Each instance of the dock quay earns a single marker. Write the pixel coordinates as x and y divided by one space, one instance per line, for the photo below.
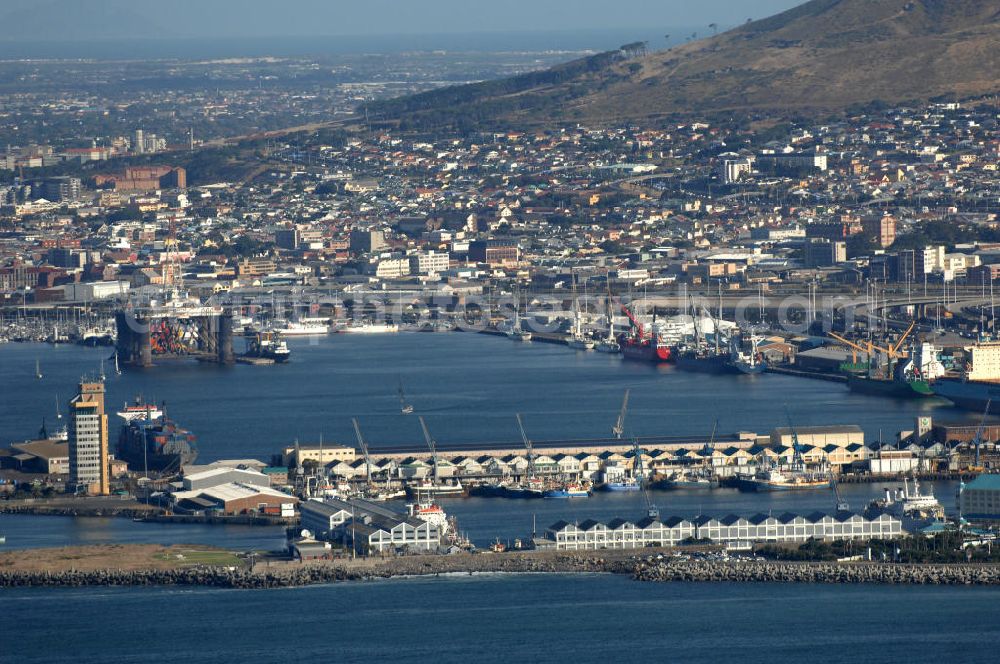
570 446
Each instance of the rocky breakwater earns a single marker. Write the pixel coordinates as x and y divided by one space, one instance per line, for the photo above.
314 572
754 571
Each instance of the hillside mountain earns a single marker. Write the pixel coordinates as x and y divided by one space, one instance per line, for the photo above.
824 54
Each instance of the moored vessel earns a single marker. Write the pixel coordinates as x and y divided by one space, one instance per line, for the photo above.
268 345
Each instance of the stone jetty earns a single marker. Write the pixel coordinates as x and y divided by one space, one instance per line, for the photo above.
756 571
647 567
314 572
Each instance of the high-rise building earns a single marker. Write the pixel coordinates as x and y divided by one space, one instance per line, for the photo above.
88 441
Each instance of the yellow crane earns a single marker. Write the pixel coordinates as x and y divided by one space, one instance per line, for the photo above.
855 348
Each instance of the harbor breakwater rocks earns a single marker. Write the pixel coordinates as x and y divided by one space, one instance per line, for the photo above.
106 510
644 568
816 572
289 575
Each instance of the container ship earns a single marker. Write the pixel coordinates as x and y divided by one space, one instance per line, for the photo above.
156 444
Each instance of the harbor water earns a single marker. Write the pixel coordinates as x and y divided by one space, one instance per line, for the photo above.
503 618
467 386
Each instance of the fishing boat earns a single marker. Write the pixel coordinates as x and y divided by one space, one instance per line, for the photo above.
571 490
609 346
774 479
427 487
628 484
686 480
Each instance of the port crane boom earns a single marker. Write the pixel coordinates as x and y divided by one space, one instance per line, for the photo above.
527 446
431 445
364 450
639 471
796 448
855 348
619 428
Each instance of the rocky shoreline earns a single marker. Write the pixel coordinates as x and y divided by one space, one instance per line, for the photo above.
645 568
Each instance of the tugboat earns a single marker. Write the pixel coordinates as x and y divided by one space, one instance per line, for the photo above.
268 345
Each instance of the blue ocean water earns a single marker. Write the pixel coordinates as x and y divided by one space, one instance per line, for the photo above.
223 47
493 618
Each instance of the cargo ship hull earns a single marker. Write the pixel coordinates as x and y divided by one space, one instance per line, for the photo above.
156 445
900 389
706 363
969 395
646 352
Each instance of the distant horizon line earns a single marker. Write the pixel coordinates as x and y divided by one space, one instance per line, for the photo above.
370 35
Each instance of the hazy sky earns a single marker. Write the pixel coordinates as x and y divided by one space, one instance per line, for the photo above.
236 18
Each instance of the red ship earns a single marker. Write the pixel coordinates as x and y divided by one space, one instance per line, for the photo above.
639 346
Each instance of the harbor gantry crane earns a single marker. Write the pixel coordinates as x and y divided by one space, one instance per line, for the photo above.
619 429
364 450
431 445
527 446
639 471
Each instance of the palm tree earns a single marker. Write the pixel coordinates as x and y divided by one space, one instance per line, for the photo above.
715 28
